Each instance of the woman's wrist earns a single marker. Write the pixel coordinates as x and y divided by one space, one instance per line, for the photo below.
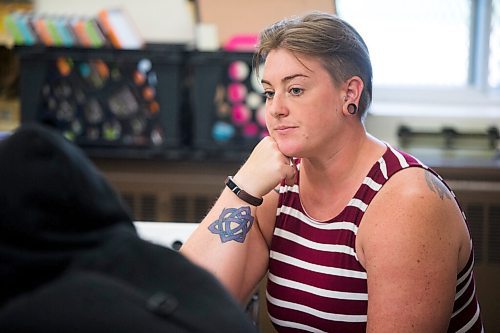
241 193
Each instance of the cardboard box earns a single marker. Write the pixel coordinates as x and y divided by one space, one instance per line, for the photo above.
250 17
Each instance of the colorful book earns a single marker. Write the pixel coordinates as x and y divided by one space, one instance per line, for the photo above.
13 29
53 31
120 29
23 22
67 37
94 32
39 23
78 26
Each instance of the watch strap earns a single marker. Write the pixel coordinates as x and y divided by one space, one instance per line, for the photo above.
245 196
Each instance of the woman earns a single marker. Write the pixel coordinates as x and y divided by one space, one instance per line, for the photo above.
356 236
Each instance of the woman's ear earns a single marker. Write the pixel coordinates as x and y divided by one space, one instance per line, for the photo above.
353 89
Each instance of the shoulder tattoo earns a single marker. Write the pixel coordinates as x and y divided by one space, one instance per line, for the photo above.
233 224
437 186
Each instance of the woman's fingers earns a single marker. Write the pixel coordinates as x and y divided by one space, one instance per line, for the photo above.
291 172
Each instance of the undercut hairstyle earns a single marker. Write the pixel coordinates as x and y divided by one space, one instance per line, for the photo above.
337 45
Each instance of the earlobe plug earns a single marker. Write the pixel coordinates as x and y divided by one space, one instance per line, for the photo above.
352 108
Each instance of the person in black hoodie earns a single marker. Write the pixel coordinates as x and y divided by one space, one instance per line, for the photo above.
72 261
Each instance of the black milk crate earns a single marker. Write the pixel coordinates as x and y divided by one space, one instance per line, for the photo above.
110 102
227 104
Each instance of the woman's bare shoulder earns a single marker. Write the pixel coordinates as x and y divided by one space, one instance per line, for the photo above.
414 202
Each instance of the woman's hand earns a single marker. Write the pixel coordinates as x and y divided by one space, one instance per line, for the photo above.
265 168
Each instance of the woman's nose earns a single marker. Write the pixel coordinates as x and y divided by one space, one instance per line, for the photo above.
277 106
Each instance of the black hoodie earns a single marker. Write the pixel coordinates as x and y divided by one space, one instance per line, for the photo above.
71 260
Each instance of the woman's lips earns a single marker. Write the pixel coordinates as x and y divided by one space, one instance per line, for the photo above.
284 129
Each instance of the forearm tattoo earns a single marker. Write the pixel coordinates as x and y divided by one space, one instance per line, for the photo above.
233 224
437 186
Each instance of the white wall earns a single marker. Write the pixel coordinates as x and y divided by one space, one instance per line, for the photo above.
158 21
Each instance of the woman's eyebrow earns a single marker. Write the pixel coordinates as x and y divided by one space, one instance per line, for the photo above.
285 79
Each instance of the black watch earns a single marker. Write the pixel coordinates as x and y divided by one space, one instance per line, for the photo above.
248 198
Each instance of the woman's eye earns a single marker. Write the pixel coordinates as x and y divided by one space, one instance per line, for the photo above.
268 94
296 91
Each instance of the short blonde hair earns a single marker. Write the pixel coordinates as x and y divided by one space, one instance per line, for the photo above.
325 36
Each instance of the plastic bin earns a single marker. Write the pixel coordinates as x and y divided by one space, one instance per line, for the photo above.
227 105
117 103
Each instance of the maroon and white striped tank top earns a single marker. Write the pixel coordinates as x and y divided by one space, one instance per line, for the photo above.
315 282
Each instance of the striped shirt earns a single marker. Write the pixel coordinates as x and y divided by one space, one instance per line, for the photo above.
315 281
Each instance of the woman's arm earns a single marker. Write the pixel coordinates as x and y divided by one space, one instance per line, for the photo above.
412 242
232 240
229 244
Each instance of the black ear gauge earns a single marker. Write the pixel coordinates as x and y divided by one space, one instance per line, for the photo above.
352 108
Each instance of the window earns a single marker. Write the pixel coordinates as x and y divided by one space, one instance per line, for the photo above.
413 42
494 62
428 50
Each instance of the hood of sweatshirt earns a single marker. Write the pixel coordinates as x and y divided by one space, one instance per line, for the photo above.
54 204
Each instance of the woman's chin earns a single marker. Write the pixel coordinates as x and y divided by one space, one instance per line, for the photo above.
288 149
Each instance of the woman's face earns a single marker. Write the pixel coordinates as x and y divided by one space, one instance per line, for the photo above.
303 106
